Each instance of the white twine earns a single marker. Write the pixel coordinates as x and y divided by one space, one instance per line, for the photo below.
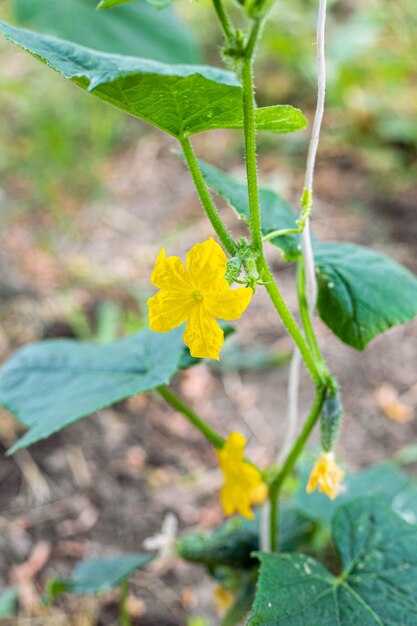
306 243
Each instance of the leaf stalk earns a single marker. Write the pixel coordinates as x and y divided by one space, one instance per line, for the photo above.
206 199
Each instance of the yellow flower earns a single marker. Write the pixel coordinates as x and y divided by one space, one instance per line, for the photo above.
197 293
326 475
243 484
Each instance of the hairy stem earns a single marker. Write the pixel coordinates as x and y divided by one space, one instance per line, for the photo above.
205 198
291 325
305 313
123 612
169 396
276 484
250 141
254 205
225 23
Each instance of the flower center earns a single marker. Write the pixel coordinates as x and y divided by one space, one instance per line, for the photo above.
198 296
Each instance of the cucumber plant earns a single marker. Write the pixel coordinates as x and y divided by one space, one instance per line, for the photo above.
263 555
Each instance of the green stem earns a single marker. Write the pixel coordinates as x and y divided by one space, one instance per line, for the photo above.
305 314
214 438
123 612
253 38
224 20
250 141
254 207
290 324
280 233
273 521
276 484
205 198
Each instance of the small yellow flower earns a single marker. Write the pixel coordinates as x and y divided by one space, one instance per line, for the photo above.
197 293
326 475
243 484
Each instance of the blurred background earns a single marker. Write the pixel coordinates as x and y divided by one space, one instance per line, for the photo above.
89 195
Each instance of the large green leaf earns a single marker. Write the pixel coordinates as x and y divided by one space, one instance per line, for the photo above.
99 574
51 384
277 214
137 30
377 586
179 99
394 488
362 292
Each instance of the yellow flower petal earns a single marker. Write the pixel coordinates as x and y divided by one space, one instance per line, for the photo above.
171 273
226 303
326 475
259 495
198 293
223 599
206 263
233 447
168 310
203 334
242 482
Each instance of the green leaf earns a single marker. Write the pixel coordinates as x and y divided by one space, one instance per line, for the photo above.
99 575
8 600
54 588
277 214
377 587
393 487
132 30
180 99
362 292
281 118
109 4
406 455
51 384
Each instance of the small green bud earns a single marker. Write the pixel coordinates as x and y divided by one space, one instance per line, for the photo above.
233 269
233 51
251 271
330 421
306 208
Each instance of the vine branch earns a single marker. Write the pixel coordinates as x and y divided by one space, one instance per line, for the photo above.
277 482
169 396
205 197
226 24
